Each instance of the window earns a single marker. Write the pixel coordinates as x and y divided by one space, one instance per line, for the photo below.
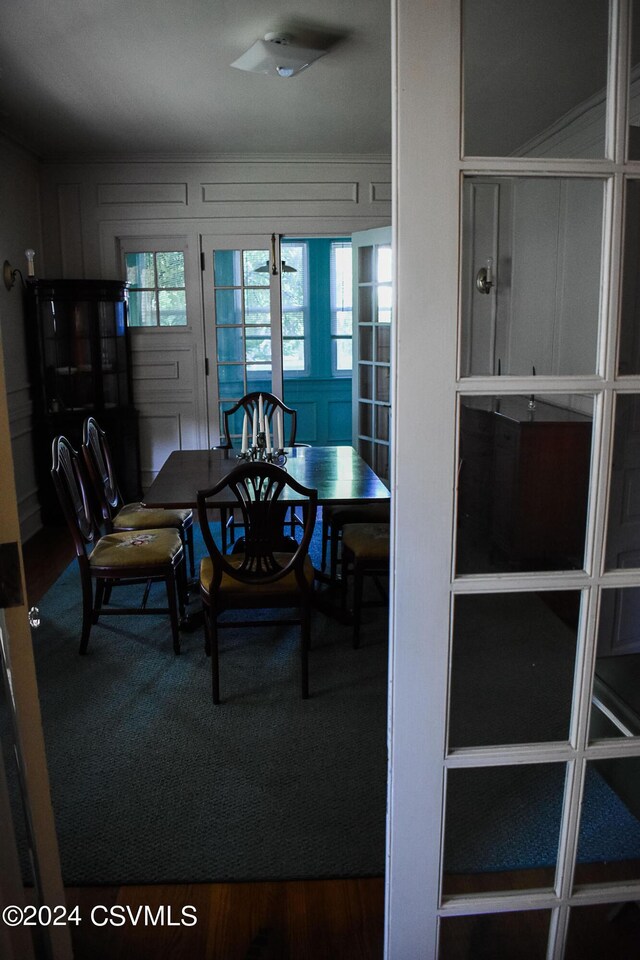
295 307
157 293
341 308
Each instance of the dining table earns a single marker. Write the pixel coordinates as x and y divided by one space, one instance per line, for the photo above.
338 473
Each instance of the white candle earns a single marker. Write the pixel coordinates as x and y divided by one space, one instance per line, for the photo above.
261 414
245 433
280 441
254 437
267 435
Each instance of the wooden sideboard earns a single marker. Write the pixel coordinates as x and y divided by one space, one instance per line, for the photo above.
523 485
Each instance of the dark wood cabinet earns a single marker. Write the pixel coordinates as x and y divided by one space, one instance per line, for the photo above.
524 481
80 366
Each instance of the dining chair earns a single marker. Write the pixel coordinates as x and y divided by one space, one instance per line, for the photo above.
117 515
249 404
116 559
334 518
365 552
270 571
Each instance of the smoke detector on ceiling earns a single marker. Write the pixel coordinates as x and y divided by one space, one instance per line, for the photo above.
277 56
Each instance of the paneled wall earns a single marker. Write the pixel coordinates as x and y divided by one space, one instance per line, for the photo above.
91 210
19 230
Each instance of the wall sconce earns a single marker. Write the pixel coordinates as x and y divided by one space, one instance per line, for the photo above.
484 277
10 273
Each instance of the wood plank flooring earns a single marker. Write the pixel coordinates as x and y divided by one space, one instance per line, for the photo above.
291 920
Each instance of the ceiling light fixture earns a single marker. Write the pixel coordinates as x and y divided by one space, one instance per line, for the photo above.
265 268
277 56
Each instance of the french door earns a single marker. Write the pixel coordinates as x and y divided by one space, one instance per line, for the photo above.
243 330
514 795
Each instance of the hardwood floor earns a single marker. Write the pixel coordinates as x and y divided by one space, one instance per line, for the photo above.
292 920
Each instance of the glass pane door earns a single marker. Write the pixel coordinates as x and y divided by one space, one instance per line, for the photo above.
243 328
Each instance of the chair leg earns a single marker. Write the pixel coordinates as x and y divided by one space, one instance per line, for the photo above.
192 561
107 591
358 580
305 638
334 539
87 612
325 537
100 594
223 528
215 667
183 586
172 591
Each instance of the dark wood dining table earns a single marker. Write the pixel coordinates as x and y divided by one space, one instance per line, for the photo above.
339 474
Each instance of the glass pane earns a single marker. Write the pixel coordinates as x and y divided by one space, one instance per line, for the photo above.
634 104
142 308
609 837
170 269
258 350
548 99
231 381
344 354
342 324
512 667
226 268
293 323
531 266
257 306
365 427
382 422
140 270
384 265
615 709
172 305
365 264
610 930
292 354
383 376
365 305
502 820
366 381
383 344
365 337
381 461
230 343
256 268
523 483
496 936
629 356
623 529
385 296
228 307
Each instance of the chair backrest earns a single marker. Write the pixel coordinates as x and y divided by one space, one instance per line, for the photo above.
270 403
97 458
257 488
71 486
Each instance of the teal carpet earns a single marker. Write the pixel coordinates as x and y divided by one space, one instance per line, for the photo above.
152 783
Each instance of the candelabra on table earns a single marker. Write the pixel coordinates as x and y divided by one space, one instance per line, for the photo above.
260 449
258 452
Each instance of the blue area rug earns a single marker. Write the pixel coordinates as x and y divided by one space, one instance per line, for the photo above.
152 783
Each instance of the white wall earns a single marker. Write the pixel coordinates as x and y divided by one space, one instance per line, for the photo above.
19 230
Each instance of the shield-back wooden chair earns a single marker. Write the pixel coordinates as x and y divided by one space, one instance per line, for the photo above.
116 514
271 570
120 558
249 404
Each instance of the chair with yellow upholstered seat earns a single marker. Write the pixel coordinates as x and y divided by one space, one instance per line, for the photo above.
271 570
334 518
365 552
120 558
116 515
